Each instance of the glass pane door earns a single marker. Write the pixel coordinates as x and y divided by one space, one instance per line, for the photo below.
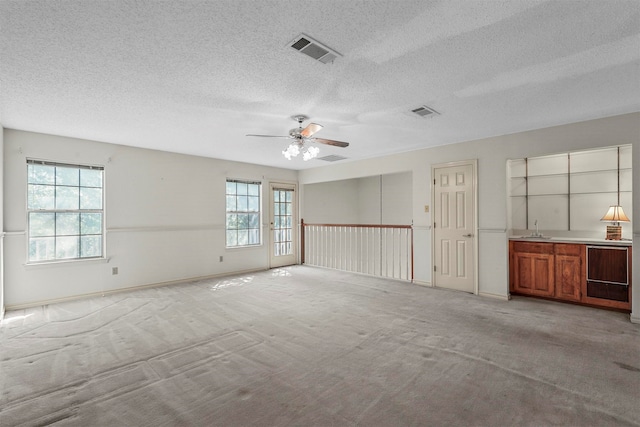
282 222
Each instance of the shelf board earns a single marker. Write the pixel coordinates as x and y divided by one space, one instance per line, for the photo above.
572 193
597 192
598 171
547 175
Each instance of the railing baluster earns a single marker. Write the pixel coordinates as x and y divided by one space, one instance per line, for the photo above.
379 250
385 252
393 253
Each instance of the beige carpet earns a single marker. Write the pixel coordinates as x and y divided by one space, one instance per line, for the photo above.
310 347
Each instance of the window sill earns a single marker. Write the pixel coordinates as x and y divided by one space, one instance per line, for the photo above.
65 263
235 248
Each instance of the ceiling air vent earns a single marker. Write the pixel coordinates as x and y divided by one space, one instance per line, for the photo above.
425 111
314 49
331 158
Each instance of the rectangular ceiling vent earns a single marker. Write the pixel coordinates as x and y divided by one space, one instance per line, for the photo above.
425 111
331 158
314 49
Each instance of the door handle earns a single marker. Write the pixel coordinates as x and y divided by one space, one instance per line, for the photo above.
467 235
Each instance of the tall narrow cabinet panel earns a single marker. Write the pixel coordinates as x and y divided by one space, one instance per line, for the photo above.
570 270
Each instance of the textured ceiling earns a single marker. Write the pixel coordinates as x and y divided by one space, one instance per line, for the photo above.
197 76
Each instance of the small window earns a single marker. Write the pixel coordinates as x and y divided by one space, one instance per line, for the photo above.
64 211
243 213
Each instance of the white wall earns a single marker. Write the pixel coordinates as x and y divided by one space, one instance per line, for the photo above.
327 202
164 216
635 273
379 199
492 155
397 203
367 199
1 222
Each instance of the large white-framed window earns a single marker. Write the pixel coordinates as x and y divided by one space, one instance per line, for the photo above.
65 211
243 223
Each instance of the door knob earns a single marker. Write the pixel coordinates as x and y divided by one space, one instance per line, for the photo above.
467 235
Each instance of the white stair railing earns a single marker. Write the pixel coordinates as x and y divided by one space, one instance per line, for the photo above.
377 250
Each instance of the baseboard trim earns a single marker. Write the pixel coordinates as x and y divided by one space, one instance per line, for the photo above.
11 307
494 296
421 283
634 319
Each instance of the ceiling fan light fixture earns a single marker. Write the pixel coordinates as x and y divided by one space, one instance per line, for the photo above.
292 151
296 148
310 153
302 136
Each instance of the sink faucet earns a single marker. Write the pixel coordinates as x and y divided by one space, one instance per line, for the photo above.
537 233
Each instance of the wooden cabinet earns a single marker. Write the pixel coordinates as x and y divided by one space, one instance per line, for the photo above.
534 270
570 271
559 271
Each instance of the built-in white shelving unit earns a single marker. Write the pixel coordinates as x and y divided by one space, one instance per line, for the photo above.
570 191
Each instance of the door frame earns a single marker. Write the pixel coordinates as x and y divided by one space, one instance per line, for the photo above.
474 167
295 223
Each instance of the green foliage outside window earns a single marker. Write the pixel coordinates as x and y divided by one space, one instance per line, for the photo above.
243 213
64 211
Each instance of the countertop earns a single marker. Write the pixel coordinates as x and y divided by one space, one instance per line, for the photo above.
578 240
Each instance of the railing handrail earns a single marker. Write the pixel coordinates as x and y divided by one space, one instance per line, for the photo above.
305 224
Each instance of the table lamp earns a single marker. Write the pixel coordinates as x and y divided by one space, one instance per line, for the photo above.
615 214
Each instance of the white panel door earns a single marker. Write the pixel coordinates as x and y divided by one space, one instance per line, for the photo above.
283 225
454 228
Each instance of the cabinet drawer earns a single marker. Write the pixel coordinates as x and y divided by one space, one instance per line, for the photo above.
608 291
533 248
570 249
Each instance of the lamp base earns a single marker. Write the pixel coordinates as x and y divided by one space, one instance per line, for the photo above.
614 232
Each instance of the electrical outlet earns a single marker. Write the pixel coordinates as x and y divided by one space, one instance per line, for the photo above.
114 270
221 258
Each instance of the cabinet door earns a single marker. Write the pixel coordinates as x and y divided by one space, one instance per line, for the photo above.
568 277
534 274
570 270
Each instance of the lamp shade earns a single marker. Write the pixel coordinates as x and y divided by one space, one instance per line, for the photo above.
615 214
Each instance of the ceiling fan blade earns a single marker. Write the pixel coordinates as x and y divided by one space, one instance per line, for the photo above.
331 142
269 136
310 129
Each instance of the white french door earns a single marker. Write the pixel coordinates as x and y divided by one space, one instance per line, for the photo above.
283 223
454 227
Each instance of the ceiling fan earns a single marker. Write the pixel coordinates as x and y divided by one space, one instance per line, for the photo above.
301 136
